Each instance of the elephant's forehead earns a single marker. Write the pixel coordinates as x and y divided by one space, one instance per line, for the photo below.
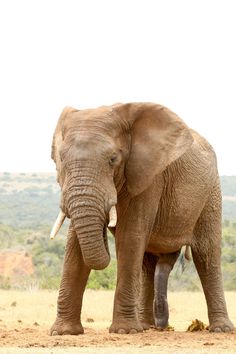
93 123
85 142
93 114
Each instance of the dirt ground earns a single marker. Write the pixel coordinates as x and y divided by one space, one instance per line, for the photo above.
25 319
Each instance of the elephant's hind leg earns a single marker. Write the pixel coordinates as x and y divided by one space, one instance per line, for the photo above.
164 266
206 251
145 306
74 279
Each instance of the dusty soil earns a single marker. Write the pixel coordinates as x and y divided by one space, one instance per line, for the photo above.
25 319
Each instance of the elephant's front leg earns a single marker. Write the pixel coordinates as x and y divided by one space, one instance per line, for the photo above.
132 233
125 313
74 279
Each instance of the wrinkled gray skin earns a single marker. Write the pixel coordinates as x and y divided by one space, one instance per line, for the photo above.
163 178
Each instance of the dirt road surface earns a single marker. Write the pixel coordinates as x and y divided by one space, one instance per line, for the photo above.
26 317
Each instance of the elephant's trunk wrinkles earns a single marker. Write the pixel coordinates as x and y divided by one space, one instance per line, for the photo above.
88 218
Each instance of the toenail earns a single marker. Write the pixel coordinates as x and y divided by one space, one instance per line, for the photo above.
217 329
121 331
133 331
227 329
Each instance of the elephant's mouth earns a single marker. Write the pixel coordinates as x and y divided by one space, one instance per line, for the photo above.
110 222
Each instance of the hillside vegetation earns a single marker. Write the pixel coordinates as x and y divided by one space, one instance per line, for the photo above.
29 204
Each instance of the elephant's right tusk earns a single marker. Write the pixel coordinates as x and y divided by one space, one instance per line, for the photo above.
112 217
58 223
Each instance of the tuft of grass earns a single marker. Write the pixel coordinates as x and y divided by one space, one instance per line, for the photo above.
196 325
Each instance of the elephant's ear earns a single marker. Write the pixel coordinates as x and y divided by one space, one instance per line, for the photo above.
158 137
58 137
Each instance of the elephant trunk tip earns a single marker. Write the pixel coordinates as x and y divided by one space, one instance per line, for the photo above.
99 265
98 257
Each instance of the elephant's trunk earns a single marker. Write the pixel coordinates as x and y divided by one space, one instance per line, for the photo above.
87 212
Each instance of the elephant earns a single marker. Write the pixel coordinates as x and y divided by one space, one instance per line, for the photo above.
156 179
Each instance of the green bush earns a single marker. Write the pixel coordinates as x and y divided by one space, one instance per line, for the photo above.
103 279
52 283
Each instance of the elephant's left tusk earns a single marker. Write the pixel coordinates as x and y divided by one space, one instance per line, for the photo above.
188 253
112 217
58 223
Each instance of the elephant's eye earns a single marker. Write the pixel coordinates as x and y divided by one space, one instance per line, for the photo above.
113 159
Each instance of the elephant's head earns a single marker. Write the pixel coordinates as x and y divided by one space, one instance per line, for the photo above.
99 151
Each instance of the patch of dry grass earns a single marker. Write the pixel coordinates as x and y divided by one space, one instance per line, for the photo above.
40 307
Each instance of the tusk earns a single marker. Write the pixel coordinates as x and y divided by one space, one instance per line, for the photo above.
58 223
112 217
188 253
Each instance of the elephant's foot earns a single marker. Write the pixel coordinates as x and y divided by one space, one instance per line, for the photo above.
125 326
63 327
147 322
146 325
221 324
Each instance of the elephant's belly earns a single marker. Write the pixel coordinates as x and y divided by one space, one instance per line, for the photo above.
166 243
174 224
170 235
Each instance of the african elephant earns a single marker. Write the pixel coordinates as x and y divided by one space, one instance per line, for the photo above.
162 177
